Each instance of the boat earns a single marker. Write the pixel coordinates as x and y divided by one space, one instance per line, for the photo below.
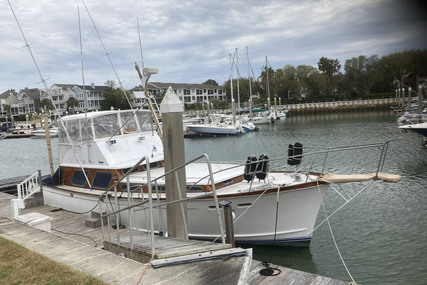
217 125
41 133
108 148
249 127
419 128
282 114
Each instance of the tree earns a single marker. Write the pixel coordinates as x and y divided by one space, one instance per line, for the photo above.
6 107
211 82
46 104
329 67
72 103
361 74
114 97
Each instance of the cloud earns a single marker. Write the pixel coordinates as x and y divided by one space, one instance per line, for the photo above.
190 40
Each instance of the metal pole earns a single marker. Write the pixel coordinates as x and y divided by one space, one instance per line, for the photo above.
150 203
229 228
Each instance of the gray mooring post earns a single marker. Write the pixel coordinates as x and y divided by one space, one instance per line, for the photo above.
420 99
174 156
228 218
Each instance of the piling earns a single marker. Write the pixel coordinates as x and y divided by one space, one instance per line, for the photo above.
174 156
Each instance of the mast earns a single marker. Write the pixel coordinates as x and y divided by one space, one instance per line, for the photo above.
250 84
238 77
81 59
231 89
268 85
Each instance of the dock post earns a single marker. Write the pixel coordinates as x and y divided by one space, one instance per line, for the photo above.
228 218
40 180
174 156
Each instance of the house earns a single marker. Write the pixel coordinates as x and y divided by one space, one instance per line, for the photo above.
60 94
188 93
25 102
8 97
93 96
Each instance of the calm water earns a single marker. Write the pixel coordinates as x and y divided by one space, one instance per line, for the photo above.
381 234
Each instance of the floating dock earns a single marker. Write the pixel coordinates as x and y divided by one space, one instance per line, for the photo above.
72 243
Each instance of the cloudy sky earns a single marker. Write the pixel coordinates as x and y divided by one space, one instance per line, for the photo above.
190 41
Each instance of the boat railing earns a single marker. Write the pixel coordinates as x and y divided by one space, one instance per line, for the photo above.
29 186
132 205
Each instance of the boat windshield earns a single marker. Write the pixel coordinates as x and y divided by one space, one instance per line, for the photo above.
105 126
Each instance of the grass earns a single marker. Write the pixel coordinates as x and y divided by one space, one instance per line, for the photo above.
19 265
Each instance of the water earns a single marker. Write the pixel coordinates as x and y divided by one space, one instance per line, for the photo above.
381 234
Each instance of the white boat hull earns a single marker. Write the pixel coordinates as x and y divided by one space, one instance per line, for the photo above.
212 130
296 214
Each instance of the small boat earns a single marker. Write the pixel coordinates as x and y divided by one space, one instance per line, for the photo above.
219 125
282 114
249 127
41 133
18 133
419 128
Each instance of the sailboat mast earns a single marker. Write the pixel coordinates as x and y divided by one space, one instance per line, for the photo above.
238 77
231 89
250 84
268 85
81 59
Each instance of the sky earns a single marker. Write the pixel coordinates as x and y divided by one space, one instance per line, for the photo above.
190 41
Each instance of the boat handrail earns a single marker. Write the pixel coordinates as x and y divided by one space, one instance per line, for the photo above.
158 205
32 184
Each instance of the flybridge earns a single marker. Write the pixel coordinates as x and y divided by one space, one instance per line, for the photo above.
108 139
104 125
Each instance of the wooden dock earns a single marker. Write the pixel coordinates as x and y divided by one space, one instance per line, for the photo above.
72 242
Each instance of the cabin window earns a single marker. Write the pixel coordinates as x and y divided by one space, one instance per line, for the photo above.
86 131
144 120
127 169
133 187
102 180
153 165
160 188
194 188
128 122
105 126
73 129
227 182
79 178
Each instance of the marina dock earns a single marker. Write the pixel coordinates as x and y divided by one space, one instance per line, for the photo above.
72 243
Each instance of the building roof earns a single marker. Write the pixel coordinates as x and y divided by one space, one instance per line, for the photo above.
92 87
32 93
6 94
65 86
162 85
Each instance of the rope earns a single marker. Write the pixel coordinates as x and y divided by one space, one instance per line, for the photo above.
339 208
333 237
73 234
247 209
269 271
146 266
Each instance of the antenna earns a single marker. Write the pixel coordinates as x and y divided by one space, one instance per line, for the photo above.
81 56
140 44
48 92
107 54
